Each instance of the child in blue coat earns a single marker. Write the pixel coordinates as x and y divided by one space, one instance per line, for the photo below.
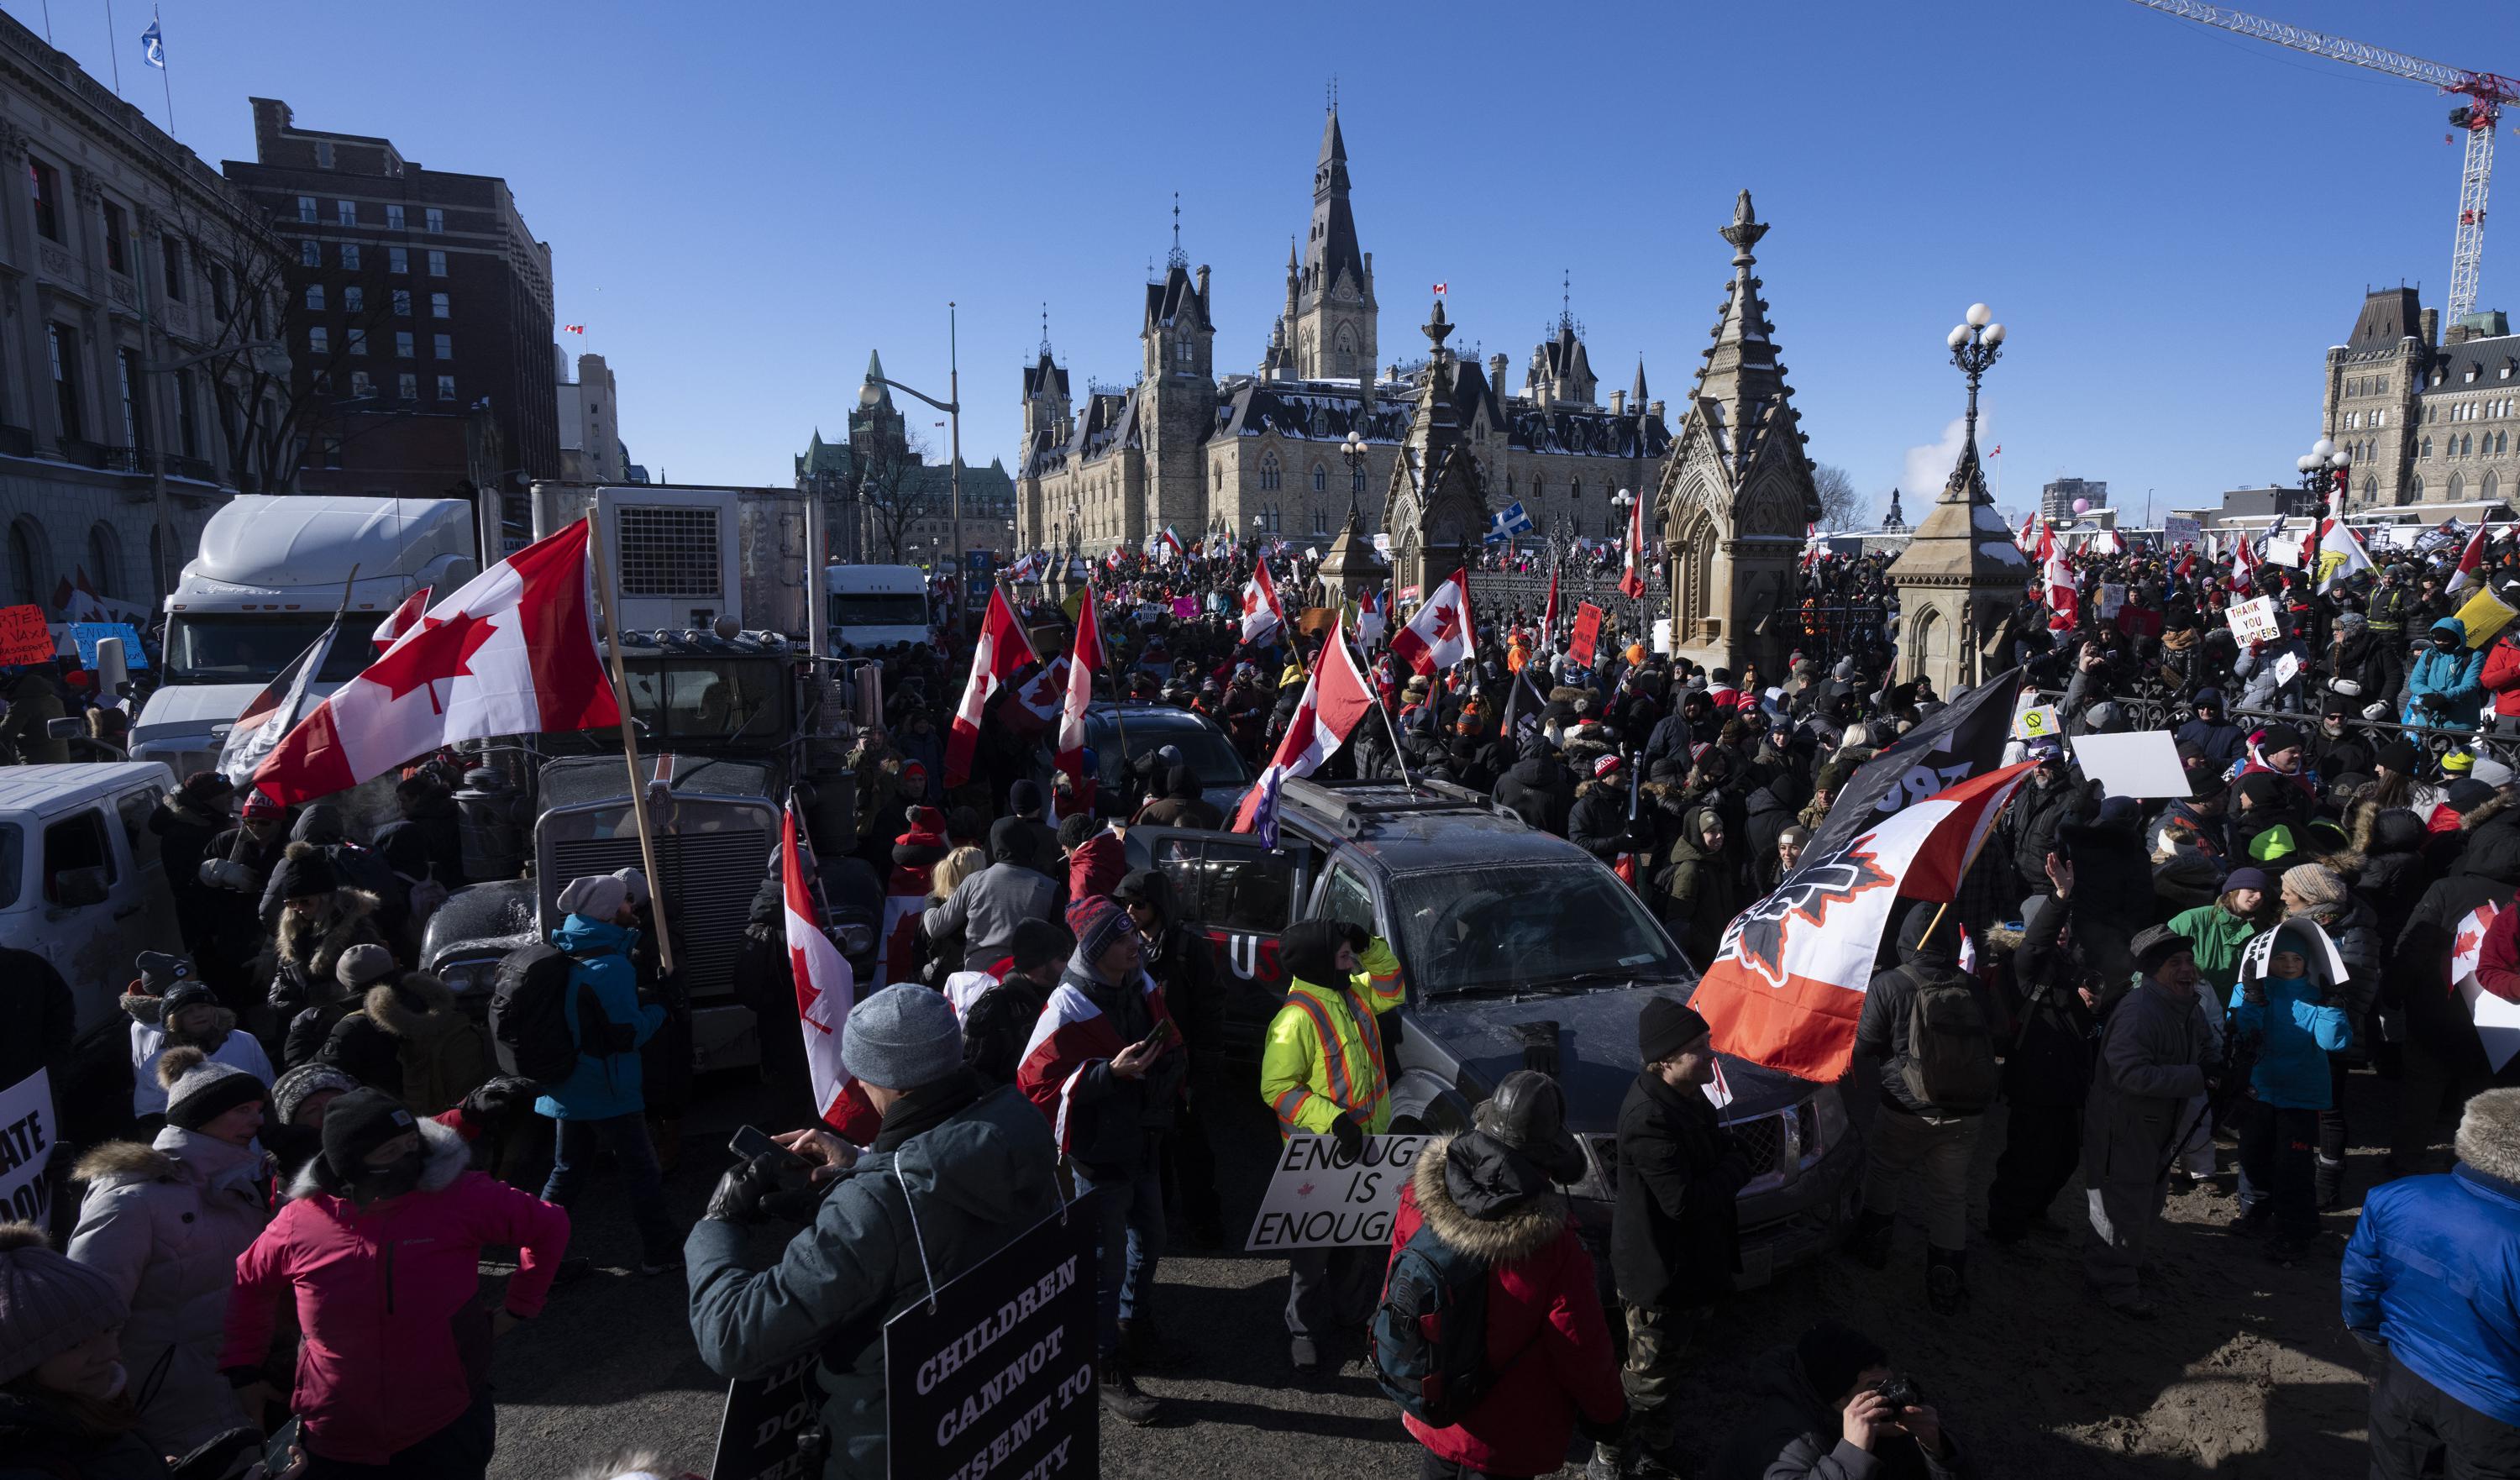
2281 1004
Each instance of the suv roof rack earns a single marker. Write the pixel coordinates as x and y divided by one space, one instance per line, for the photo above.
1354 806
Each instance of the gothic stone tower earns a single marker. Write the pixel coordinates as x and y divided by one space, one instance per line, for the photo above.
1737 492
1177 398
1437 506
1334 308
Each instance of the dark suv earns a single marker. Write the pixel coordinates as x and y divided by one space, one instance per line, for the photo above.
1518 949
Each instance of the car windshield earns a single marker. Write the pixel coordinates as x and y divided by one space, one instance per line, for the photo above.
1468 930
1204 751
248 648
876 609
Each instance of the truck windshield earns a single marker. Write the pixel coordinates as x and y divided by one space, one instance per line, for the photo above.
869 609
1472 928
251 647
707 703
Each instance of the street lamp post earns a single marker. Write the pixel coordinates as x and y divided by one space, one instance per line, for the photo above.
1621 502
952 406
271 358
1976 343
2323 470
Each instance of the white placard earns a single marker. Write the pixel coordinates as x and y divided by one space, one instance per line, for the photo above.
2287 666
2143 764
2498 1022
1662 636
2177 531
2285 549
2254 620
2112 596
29 1128
1315 1202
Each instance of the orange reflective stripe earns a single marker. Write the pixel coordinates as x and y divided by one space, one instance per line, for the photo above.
1334 1054
1288 1104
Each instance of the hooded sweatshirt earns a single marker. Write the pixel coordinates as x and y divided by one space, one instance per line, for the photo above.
603 1085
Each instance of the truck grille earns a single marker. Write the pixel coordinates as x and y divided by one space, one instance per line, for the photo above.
708 882
668 552
1761 1141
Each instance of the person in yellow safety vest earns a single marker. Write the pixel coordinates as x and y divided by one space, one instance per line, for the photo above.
1320 1072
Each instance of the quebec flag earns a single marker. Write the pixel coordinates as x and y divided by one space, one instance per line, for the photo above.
153 46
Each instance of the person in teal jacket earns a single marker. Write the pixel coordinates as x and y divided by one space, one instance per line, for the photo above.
2281 1005
599 1107
2446 684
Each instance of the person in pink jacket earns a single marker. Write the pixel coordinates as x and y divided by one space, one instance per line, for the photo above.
379 1244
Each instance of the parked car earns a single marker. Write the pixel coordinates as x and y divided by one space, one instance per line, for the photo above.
1223 777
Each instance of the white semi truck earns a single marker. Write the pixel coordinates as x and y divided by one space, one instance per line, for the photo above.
271 571
876 608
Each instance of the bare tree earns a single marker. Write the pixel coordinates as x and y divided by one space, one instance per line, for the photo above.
896 488
1840 505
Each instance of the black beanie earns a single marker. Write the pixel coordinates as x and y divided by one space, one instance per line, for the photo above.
1831 1355
1665 1027
358 1123
201 1089
306 869
1040 940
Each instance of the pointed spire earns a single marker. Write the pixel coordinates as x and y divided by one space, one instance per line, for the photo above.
1741 376
1178 257
1334 146
1636 393
1045 329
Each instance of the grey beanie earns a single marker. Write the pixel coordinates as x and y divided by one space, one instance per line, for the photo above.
901 1037
49 1303
201 1089
598 897
362 965
290 1091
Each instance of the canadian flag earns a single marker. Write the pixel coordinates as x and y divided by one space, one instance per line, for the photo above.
1168 546
1336 698
400 619
2028 538
1549 613
1261 614
1000 655
826 990
2244 562
1084 662
2469 560
1369 618
1632 580
1440 634
1788 982
513 652
2056 575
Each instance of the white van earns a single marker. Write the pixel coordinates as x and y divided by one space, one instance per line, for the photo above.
877 607
80 882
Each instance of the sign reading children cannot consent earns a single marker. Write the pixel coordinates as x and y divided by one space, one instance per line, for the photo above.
1317 1201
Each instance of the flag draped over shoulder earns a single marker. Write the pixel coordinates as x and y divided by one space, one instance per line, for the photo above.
826 990
1789 984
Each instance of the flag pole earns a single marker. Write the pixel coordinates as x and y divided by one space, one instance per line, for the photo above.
163 79
629 742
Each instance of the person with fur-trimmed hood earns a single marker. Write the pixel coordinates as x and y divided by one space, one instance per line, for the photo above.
360 967
169 1009
380 1246
165 1222
321 830
2432 1288
320 917
1494 1193
407 1036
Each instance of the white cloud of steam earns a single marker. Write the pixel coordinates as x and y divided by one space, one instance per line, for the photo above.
1927 468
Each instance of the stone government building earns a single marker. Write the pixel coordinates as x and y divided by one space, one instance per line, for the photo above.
2427 415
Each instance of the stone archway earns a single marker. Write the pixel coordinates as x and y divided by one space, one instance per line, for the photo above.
1928 645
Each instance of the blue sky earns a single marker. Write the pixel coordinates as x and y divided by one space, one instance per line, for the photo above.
742 199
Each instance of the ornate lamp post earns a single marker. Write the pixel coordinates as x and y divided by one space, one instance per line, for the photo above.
1352 452
1976 342
2322 471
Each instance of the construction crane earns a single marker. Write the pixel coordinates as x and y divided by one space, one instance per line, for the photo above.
2486 93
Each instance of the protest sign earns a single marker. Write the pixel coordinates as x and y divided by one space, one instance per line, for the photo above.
1588 631
1315 1201
2144 763
2285 549
88 634
1184 608
24 637
764 1418
2038 722
2177 531
2484 615
2254 620
2287 666
28 1130
1662 636
2112 596
1313 620
994 1374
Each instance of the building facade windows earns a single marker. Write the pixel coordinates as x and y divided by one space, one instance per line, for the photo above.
188 424
355 341
345 212
354 299
350 256
1321 478
170 254
442 346
306 210
446 388
437 264
118 245
60 346
393 218
397 259
402 345
435 218
314 298
319 339
410 387
310 254
402 302
440 306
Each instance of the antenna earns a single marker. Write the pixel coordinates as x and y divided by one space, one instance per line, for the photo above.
1045 329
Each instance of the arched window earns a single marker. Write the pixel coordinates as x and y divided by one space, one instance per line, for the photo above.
1268 470
1321 478
2458 486
2489 489
2427 452
24 542
1216 479
1181 350
105 560
1320 521
1575 489
2414 490
1539 490
2370 488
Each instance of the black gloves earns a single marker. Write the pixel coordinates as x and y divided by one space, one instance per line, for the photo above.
497 1103
738 1194
1349 1135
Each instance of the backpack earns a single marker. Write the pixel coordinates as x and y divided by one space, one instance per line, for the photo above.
1950 1051
1430 1334
530 1015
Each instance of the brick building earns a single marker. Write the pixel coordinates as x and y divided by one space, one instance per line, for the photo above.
420 315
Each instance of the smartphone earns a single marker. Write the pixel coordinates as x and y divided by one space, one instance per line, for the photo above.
751 1141
1164 1035
275 1452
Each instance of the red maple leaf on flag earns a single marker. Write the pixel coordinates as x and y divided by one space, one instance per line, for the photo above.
441 651
2465 942
1448 622
1250 602
1046 690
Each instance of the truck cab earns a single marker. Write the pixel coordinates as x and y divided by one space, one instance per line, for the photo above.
873 608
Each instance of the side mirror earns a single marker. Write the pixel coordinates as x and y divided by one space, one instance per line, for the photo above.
67 726
77 888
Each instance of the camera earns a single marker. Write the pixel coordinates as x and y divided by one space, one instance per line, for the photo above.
1900 1393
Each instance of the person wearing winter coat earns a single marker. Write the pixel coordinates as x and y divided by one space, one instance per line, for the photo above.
2446 685
166 1223
2285 1003
170 1008
1815 1416
1493 1193
2220 741
1539 788
34 703
2432 1288
2442 1058
2316 893
232 873
997 1013
2391 875
360 967
2047 1066
2218 933
2153 1049
1597 823
598 1107
1675 1230
986 907
320 833
411 1038
1698 893
1180 961
184 822
319 920
65 1400
974 1166
2051 800
1917 1138
2117 897
1182 805
379 1248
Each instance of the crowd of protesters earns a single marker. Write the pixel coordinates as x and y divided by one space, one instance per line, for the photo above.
2130 986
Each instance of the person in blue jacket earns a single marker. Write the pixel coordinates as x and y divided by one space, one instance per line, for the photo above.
2446 684
2281 1003
598 1106
2432 1289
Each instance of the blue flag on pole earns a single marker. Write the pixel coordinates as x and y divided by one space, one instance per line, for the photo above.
153 46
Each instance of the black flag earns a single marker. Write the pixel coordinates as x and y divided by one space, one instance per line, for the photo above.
1964 740
1522 710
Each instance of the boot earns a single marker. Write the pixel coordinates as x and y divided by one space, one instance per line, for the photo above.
1608 1463
1868 1243
1947 1281
1122 1398
1145 1346
2331 1183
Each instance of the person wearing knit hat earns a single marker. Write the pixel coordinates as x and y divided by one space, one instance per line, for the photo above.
170 1008
60 1361
599 897
165 1222
1667 1266
2314 894
326 1003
